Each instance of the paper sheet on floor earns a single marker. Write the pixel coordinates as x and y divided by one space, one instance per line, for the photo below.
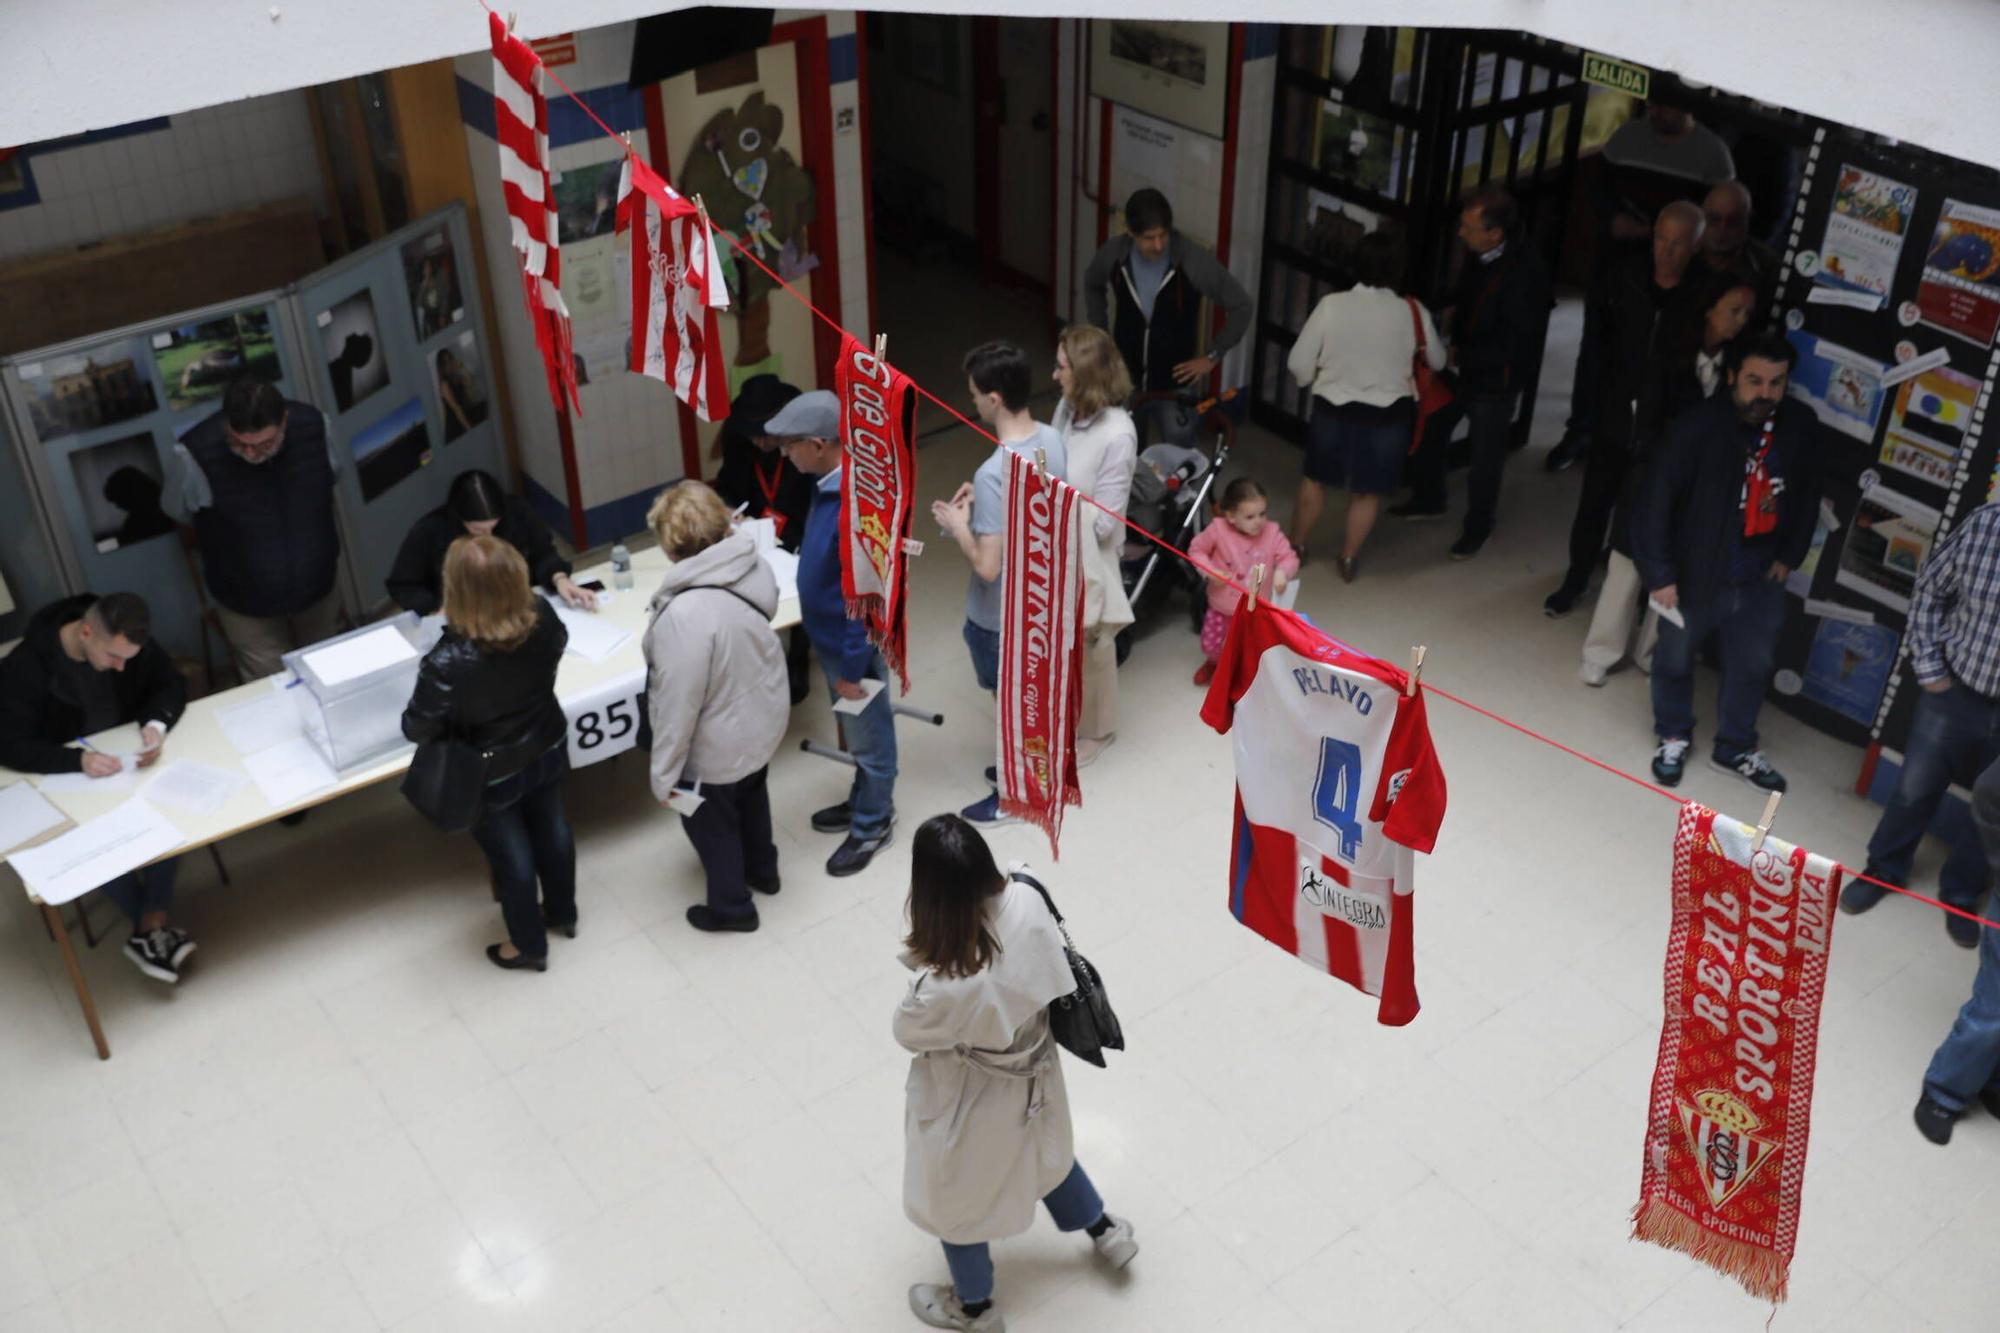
95 852
260 721
122 780
591 637
25 814
340 662
289 772
197 789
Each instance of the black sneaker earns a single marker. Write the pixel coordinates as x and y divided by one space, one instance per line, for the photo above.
833 819
180 945
771 885
1669 762
1412 512
152 953
987 813
1933 1121
1990 1099
853 855
1860 895
1752 767
701 918
1964 932
1561 602
1563 457
1466 547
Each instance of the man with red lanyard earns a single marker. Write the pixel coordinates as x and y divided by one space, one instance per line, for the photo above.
1728 513
757 476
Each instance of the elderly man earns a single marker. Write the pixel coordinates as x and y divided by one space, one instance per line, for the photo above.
1726 243
1637 304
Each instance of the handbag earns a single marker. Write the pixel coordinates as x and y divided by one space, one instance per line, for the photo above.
447 783
1082 1021
1433 390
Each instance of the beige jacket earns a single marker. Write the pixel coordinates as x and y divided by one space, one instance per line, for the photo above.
1102 454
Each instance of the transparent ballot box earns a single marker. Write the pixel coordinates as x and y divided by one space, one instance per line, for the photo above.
352 689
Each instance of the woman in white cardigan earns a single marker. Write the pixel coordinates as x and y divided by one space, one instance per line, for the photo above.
1102 447
986 1120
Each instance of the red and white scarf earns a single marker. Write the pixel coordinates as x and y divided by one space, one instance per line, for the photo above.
521 125
877 486
677 287
1041 648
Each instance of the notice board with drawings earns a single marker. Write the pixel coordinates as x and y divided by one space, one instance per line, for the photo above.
1891 296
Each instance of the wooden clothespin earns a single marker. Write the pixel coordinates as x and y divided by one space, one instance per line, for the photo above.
701 211
1416 670
881 349
1256 582
1042 464
1764 824
512 17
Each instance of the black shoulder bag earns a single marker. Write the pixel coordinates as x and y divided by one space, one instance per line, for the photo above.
447 783
1082 1021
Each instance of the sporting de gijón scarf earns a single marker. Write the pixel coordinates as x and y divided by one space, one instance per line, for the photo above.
677 286
877 489
1337 789
1041 648
1732 1094
521 125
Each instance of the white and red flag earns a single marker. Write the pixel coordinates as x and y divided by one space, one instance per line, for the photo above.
1041 648
677 286
878 406
521 124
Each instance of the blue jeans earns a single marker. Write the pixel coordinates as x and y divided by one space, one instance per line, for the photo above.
870 736
1074 1204
985 646
146 890
526 838
1950 731
1747 617
1969 1060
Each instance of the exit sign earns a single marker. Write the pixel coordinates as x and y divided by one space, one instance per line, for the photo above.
1617 75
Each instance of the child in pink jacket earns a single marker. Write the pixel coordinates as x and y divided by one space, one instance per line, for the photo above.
1235 539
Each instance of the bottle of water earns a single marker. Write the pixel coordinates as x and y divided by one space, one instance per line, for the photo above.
621 567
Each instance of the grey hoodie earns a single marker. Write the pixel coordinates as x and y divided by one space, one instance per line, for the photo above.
715 674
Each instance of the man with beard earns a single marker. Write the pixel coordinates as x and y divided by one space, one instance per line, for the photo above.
1728 513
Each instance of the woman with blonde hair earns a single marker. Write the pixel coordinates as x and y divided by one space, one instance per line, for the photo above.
489 684
1103 449
718 698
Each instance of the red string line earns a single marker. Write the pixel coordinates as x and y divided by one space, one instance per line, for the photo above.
1165 545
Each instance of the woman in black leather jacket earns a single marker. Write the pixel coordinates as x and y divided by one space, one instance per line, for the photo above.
490 683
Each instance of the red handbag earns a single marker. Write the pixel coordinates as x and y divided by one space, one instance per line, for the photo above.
1434 392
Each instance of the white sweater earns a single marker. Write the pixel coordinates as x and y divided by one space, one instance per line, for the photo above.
1357 346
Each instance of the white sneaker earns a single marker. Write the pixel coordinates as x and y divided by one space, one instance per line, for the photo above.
938 1305
1593 674
1117 1244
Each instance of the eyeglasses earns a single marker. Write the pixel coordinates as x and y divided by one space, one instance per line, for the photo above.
255 453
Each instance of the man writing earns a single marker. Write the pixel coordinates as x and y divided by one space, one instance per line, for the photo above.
808 431
87 664
1145 288
1728 512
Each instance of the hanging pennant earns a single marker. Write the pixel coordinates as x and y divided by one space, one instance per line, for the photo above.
1041 648
521 125
877 489
677 287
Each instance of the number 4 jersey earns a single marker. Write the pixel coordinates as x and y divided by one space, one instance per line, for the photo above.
1336 787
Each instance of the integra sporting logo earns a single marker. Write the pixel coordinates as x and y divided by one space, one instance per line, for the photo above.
1334 899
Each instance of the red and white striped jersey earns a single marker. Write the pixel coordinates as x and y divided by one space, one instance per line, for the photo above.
1336 786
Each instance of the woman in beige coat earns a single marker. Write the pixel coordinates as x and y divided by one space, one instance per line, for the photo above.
1103 449
986 1120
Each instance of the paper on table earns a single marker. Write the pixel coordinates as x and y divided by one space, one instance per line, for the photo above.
25 815
199 789
1671 614
763 532
259 722
75 782
289 771
785 566
340 662
869 689
591 637
96 852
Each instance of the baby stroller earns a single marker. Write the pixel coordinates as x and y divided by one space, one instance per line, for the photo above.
1170 491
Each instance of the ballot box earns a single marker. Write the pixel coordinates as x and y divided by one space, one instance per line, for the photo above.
352 689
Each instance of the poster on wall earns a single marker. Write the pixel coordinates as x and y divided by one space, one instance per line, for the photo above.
1359 148
1176 71
391 449
1960 292
586 202
119 485
86 390
1864 234
351 342
432 276
1146 149
461 387
1927 425
1848 668
1843 387
197 361
1887 543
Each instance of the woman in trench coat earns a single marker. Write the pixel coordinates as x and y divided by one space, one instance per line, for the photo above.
986 1121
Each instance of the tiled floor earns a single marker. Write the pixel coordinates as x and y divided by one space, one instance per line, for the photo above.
345 1120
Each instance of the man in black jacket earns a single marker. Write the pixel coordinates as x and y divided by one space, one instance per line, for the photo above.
87 664
1728 512
1145 288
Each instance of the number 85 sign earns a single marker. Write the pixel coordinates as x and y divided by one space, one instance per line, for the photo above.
606 721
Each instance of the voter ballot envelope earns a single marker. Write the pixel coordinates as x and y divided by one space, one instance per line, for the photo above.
352 690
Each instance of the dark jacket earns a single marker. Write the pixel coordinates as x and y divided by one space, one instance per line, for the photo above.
841 643
1152 348
1692 519
503 703
1500 317
1632 321
738 483
38 729
1669 388
269 542
416 580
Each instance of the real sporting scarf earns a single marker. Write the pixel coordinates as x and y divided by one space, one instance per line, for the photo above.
521 126
1732 1093
677 287
1041 648
1759 498
877 486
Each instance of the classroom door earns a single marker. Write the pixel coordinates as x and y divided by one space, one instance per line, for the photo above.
1014 80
